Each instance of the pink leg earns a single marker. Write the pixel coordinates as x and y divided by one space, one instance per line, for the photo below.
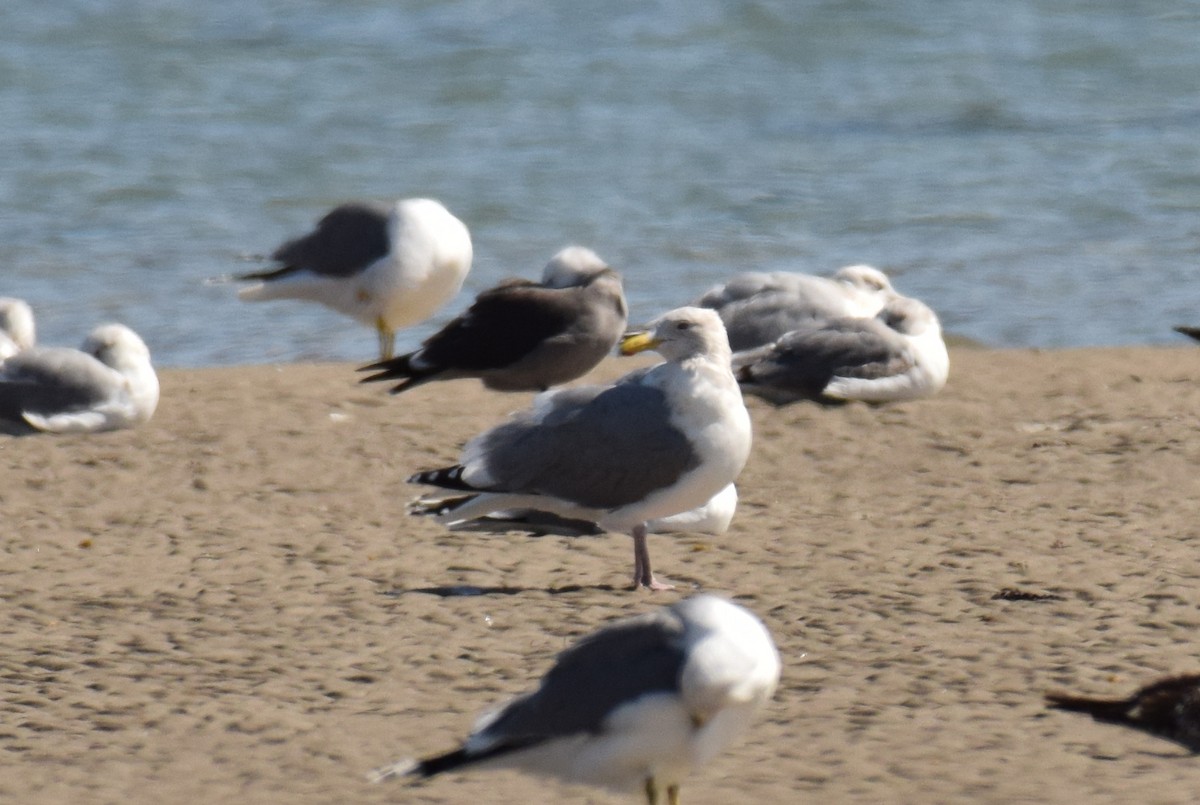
643 576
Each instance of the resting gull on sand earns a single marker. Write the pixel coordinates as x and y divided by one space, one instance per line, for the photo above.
897 355
387 265
17 330
110 384
658 442
636 706
522 335
1169 708
758 308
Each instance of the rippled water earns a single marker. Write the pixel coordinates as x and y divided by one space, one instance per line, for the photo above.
1030 168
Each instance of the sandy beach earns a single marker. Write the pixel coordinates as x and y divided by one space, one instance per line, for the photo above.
230 604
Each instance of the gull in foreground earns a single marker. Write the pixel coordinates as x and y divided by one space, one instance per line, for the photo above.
522 335
658 442
758 308
110 384
635 706
17 331
1169 708
388 266
897 355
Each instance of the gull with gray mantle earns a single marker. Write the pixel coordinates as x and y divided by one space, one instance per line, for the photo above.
523 335
636 706
897 355
110 384
757 308
387 265
658 442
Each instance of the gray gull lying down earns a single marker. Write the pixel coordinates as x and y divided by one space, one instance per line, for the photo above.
17 331
387 265
898 355
714 518
758 308
633 707
658 442
110 384
522 335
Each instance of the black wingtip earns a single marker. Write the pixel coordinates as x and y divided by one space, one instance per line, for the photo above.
1191 332
446 478
440 763
1099 709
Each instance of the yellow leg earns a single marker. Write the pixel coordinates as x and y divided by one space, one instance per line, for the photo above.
387 340
651 791
672 795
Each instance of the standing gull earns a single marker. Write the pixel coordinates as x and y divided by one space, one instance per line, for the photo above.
17 330
110 384
388 266
635 706
898 355
1169 708
522 335
658 442
757 308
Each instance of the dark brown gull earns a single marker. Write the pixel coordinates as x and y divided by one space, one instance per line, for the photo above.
522 335
1168 708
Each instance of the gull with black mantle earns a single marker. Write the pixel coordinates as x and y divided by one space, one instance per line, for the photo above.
523 335
388 266
636 706
660 441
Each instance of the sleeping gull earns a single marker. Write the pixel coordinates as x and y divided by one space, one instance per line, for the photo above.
714 517
758 308
17 331
1169 708
110 384
635 706
658 442
388 266
898 355
522 335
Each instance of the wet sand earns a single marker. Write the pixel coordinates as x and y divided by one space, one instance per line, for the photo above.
230 604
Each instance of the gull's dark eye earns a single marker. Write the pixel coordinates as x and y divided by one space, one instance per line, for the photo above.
683 325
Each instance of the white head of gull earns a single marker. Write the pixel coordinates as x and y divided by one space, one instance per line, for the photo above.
17 330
